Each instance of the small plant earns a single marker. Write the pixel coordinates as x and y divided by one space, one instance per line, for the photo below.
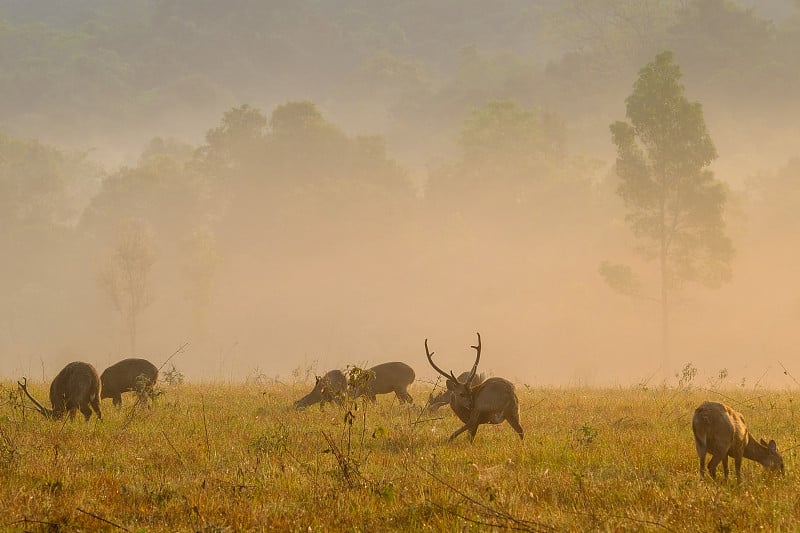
586 434
719 379
173 376
687 375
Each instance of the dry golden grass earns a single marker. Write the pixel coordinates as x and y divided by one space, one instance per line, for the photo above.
215 457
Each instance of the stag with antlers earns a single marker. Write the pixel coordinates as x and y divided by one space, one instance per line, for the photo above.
490 402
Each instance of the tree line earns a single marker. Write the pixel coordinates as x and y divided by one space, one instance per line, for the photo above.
289 202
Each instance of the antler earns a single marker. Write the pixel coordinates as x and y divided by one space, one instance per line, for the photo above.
439 370
39 407
477 359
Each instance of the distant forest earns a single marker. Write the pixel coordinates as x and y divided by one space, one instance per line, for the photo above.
109 74
301 178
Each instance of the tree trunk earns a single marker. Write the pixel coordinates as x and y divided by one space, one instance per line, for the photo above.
665 292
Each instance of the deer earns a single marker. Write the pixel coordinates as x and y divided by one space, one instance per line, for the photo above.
331 387
77 386
443 398
385 378
137 375
721 431
489 402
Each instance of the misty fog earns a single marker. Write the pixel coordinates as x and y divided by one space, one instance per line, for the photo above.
302 186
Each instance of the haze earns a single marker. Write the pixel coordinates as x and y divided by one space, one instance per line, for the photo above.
314 184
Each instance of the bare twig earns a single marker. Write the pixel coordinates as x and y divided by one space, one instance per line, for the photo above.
345 464
51 525
516 523
180 349
177 454
421 420
100 518
786 372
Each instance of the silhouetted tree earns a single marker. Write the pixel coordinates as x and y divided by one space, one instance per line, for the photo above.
125 277
674 204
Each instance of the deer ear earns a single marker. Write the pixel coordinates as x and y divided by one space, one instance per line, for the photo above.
772 446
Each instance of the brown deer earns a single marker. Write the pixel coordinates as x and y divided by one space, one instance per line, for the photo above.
137 375
489 402
443 398
77 386
331 387
385 378
721 431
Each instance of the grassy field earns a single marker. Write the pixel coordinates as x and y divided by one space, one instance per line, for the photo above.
236 457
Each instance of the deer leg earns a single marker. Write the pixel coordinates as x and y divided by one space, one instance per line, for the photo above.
514 422
472 431
737 463
404 396
725 465
702 463
474 422
700 446
458 432
117 400
712 465
86 410
96 406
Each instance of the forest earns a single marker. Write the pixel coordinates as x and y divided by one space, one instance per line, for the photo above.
293 186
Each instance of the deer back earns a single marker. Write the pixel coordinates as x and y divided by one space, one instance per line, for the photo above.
127 375
76 384
388 376
720 426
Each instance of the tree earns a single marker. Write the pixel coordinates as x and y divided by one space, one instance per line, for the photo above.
514 164
674 204
126 276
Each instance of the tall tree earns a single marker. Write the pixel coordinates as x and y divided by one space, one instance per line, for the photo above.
125 277
674 204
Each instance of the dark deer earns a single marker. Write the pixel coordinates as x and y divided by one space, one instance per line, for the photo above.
489 402
721 431
385 378
331 387
77 386
443 398
136 375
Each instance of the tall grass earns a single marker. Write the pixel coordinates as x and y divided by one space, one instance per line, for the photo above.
218 457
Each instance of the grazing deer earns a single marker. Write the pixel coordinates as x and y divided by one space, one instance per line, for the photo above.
137 375
329 388
489 402
77 386
443 398
721 431
385 378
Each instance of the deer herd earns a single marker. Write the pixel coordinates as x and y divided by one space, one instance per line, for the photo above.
718 429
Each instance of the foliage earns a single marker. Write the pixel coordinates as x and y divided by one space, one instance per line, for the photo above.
213 457
621 278
514 164
675 206
172 376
